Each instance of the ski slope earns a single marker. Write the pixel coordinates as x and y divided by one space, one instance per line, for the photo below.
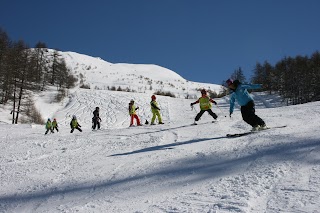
173 167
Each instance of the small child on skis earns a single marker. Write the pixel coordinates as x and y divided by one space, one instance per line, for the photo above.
74 124
132 113
155 110
205 106
55 125
49 126
96 119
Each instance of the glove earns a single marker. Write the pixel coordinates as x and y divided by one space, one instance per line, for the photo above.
215 102
137 108
191 104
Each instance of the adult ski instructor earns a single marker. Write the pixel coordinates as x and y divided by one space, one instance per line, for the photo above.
241 94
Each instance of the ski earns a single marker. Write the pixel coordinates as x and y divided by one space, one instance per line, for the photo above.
239 134
251 132
203 123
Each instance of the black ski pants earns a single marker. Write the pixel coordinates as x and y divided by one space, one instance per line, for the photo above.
201 113
76 128
50 129
249 116
96 123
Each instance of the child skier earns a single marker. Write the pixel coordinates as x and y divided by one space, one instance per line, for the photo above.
96 119
132 113
55 125
74 124
49 126
241 94
205 106
155 110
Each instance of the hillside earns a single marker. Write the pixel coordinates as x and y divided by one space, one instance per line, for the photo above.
141 78
173 167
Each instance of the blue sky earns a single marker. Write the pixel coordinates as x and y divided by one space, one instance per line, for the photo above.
203 40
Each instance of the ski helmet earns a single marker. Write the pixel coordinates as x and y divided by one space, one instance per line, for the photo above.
229 82
203 91
153 97
131 101
49 119
74 117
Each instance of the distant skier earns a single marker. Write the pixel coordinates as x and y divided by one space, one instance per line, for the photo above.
55 125
74 124
155 110
96 119
205 106
49 126
132 113
244 99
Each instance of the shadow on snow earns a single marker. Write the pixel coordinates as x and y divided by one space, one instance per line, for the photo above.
188 171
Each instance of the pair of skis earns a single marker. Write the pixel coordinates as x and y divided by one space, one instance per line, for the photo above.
251 132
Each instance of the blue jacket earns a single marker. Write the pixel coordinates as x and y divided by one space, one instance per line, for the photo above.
242 95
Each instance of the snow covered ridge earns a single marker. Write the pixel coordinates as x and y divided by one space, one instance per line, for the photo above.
141 78
175 167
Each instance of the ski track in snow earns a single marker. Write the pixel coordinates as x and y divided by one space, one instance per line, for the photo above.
175 167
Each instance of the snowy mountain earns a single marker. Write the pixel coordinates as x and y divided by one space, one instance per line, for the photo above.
141 78
175 167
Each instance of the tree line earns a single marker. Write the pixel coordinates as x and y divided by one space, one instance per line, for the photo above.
296 79
24 70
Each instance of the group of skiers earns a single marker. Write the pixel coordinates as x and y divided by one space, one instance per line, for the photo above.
51 126
154 109
239 92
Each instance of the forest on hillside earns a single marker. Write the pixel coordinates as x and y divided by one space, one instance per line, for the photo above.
24 70
296 79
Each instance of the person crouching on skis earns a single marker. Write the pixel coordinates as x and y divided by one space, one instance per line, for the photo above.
155 110
205 106
133 114
74 124
244 99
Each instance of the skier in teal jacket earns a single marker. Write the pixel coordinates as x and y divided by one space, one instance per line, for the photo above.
244 99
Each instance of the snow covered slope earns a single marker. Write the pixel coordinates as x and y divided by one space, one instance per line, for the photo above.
173 167
142 78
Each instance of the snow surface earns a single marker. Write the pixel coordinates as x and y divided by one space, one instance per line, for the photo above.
175 167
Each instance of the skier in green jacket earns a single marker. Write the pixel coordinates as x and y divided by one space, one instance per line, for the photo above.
155 110
55 125
133 113
49 126
74 124
205 106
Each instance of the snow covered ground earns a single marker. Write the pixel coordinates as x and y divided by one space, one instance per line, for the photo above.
173 167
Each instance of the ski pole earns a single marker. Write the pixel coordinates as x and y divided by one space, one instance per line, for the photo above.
221 111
